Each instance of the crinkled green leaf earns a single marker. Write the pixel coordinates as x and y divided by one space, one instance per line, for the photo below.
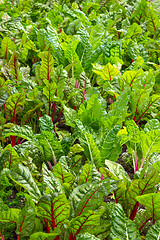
122 227
11 215
54 40
72 57
152 124
62 175
14 65
9 157
55 209
47 67
134 30
110 147
50 182
23 132
6 46
90 148
14 105
30 113
86 174
22 176
84 221
150 143
46 123
131 76
89 196
86 236
154 231
51 147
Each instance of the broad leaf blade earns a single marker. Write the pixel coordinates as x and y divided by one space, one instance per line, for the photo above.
22 176
55 209
122 227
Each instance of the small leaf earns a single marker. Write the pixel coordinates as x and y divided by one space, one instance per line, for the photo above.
47 66
14 65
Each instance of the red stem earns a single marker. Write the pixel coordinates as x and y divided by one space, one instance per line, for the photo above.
1 236
115 196
134 211
47 225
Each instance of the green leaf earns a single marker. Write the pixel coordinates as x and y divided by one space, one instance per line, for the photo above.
9 157
11 215
90 148
54 40
70 116
51 147
22 176
86 174
134 30
86 236
150 143
107 72
62 175
6 46
151 125
14 65
47 65
50 182
115 170
153 21
30 113
131 76
151 202
46 124
55 209
45 236
26 221
23 132
83 222
49 90
14 105
154 232
72 57
30 45
110 147
89 196
122 227
141 187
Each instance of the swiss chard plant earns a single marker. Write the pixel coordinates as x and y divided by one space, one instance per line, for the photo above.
79 119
